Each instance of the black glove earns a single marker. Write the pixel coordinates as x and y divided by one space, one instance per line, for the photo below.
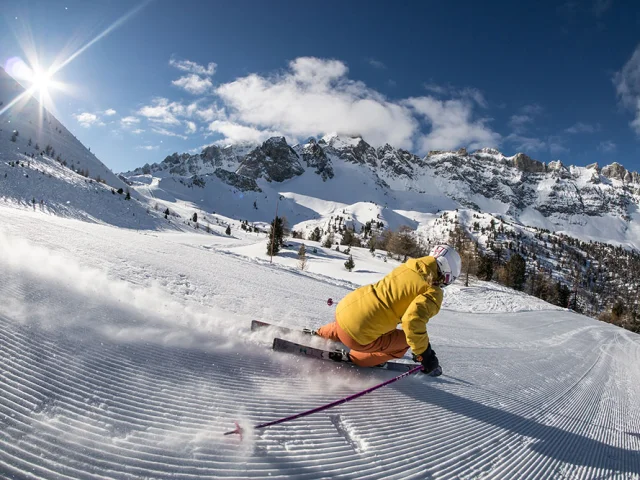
429 361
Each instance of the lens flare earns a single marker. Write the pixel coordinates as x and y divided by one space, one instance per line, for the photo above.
38 81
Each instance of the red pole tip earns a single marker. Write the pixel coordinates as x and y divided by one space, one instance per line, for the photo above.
238 430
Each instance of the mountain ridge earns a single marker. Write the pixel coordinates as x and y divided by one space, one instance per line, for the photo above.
551 196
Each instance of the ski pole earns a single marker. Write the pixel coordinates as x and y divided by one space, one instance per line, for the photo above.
238 429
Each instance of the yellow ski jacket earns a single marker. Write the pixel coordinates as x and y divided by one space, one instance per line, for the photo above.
407 295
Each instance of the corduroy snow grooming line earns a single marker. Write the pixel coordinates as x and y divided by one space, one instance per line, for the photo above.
239 430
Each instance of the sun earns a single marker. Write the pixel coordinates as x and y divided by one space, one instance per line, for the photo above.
41 81
37 81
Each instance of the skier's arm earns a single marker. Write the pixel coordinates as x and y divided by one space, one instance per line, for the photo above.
414 320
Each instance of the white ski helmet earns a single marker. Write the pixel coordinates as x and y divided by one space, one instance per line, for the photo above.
449 262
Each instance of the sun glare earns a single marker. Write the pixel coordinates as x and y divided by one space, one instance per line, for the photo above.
41 81
38 82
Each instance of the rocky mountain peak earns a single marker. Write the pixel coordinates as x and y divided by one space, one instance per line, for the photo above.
556 166
274 160
527 164
615 171
488 151
314 156
593 166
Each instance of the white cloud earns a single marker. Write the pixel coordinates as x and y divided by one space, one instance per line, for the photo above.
518 122
532 109
167 133
129 121
87 119
235 133
581 127
527 144
137 131
437 89
607 146
377 64
451 91
211 113
193 84
557 148
147 147
163 111
627 83
110 112
191 127
452 125
315 96
475 94
521 121
193 67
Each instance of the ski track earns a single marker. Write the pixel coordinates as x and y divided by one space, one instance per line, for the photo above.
134 362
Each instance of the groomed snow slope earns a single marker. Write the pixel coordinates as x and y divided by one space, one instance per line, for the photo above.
127 355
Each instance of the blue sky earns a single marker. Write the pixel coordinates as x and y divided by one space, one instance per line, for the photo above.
557 80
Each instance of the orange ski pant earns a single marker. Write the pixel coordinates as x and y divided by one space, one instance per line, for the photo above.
391 345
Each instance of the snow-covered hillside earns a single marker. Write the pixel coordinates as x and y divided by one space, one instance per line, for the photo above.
133 362
36 131
44 168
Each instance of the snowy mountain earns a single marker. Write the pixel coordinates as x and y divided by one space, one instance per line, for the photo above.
590 203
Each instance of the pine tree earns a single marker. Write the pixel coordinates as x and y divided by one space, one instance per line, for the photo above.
485 268
349 264
276 236
228 230
195 217
128 196
562 294
328 242
302 257
315 235
403 244
347 237
516 269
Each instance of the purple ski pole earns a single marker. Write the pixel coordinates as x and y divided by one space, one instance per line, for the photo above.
238 429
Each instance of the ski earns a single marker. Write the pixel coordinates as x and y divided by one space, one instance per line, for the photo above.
257 325
281 345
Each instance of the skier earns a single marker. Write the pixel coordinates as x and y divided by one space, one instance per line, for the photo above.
411 294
